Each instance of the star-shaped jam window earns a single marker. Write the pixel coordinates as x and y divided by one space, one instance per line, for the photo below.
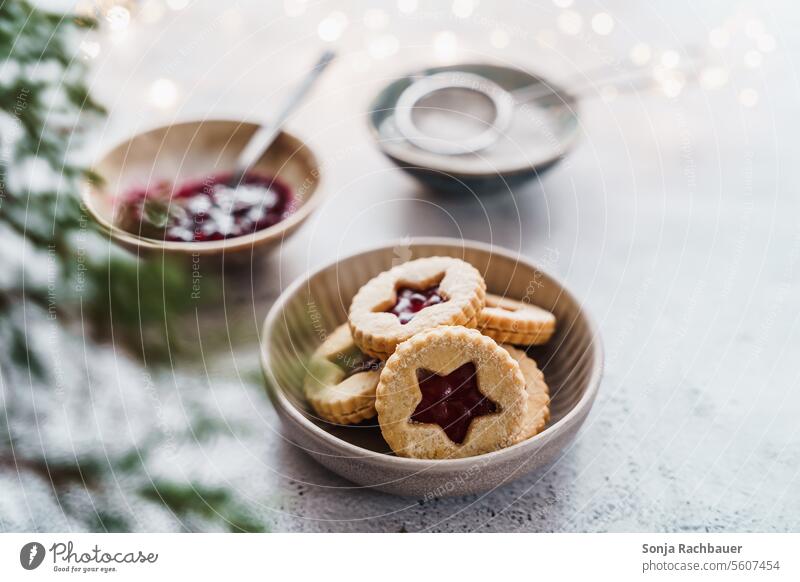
452 401
411 301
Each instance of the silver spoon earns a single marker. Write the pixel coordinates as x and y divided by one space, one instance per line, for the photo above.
265 135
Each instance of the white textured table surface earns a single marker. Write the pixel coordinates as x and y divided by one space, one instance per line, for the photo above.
675 220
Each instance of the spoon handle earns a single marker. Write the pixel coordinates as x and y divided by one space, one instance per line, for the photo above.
582 85
640 81
266 134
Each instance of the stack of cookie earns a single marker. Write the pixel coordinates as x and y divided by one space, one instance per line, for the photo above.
429 352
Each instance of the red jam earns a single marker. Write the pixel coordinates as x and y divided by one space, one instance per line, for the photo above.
451 401
412 301
208 209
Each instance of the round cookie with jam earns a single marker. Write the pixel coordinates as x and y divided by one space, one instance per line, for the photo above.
341 380
450 392
537 392
515 322
413 297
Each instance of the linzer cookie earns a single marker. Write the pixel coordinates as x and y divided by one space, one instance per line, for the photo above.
515 322
415 297
538 395
450 392
341 380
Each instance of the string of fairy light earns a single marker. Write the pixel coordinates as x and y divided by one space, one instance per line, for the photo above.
664 64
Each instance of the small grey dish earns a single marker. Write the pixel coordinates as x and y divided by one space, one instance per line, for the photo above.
315 304
540 134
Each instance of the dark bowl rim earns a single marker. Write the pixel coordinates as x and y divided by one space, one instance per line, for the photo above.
279 398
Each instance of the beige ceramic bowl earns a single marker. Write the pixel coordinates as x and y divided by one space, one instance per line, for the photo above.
193 150
314 305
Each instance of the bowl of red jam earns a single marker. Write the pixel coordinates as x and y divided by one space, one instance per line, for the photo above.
317 303
171 189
